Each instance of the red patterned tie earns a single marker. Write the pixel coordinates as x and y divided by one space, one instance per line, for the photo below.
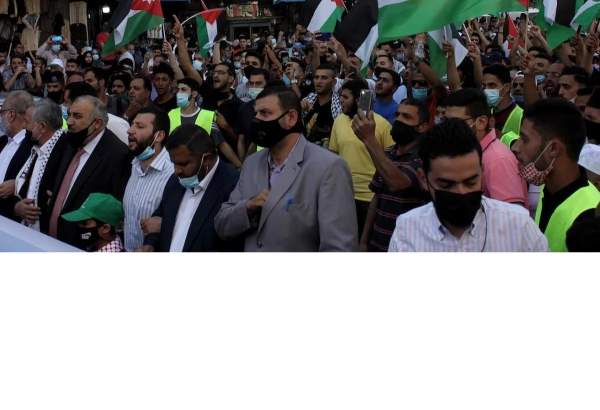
63 192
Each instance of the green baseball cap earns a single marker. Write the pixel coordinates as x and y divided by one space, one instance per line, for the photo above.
102 207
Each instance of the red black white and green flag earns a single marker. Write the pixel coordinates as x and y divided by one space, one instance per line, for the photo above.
130 20
206 28
324 14
379 21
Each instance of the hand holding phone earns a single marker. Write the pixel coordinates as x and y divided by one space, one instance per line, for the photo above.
365 101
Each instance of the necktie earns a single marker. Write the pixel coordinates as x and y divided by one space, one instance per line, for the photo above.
25 187
62 193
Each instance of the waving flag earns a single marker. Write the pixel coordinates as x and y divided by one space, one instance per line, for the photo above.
206 28
131 19
325 14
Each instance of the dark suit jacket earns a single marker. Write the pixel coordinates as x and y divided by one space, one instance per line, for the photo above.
46 183
106 170
16 163
201 236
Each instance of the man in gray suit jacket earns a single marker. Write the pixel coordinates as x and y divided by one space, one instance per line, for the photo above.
292 196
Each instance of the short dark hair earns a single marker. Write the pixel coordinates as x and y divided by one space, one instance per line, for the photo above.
229 66
421 107
79 89
473 99
98 73
195 138
161 119
579 74
252 53
330 67
500 71
124 77
355 86
259 71
452 138
147 82
190 82
557 118
288 100
73 61
163 68
386 55
541 53
395 76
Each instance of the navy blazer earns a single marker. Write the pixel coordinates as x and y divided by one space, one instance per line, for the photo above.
202 236
15 165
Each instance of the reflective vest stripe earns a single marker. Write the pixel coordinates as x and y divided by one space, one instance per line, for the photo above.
204 119
565 214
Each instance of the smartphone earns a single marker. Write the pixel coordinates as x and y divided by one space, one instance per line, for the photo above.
56 39
323 36
365 101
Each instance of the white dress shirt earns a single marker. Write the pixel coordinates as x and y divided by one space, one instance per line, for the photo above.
9 151
88 148
497 227
143 194
187 209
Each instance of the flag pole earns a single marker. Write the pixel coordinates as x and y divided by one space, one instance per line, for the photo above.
195 15
467 32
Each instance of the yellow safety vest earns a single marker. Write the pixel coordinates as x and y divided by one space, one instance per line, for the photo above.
204 119
65 126
565 214
512 127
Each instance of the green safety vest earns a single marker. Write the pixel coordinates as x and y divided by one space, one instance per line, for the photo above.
565 214
65 126
512 127
204 119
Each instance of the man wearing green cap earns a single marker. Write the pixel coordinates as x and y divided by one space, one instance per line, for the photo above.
98 220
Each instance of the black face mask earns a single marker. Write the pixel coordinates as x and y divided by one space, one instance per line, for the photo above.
76 139
28 134
88 237
56 96
404 134
268 133
593 130
458 210
248 70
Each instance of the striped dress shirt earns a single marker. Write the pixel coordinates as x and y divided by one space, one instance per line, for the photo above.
497 227
143 195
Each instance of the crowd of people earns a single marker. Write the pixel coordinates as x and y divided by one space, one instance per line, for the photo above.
285 142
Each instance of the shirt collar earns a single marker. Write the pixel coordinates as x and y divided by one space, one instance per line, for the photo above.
488 139
90 146
19 137
159 163
206 180
272 164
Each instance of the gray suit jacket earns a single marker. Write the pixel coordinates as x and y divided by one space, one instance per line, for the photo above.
310 208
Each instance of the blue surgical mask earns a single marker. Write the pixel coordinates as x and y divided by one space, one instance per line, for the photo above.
419 94
148 152
286 81
254 91
519 99
438 120
197 64
192 182
492 96
56 48
183 99
65 111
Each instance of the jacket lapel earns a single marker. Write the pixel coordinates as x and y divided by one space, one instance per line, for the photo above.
284 181
170 215
208 200
88 169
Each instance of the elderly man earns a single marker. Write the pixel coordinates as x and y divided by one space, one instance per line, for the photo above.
293 195
95 161
37 175
15 146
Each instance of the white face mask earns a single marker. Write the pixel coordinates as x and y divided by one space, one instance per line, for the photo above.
197 65
254 91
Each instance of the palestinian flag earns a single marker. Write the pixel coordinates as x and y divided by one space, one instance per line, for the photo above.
438 59
325 14
510 32
130 20
206 28
586 14
380 21
555 19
